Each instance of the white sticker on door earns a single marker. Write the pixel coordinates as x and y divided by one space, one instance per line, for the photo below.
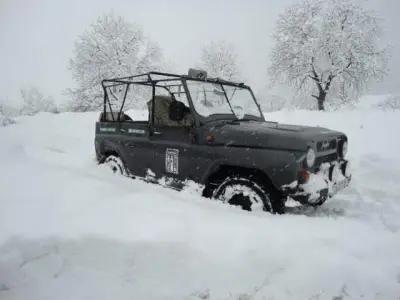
172 161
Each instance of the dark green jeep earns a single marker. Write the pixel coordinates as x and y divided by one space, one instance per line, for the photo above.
213 132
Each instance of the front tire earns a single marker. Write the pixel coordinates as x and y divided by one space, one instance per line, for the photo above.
249 194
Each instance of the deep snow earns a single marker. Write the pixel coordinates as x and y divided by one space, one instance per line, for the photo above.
71 230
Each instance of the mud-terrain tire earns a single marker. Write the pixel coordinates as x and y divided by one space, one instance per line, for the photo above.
250 194
116 165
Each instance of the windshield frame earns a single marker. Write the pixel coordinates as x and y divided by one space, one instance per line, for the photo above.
231 116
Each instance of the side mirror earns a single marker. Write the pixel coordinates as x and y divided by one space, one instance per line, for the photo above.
176 111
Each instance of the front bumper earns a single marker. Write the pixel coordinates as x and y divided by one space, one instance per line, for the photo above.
330 179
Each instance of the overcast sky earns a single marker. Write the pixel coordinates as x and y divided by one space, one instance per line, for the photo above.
37 36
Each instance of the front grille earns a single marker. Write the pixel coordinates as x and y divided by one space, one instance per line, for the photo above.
326 158
326 145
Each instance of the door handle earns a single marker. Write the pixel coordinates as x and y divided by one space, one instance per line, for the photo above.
157 133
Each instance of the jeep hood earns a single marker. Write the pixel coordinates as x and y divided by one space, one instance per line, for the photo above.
269 135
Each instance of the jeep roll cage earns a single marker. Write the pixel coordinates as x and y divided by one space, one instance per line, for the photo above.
166 81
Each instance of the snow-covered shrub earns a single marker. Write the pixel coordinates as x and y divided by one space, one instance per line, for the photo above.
9 110
110 48
271 103
35 101
391 103
5 119
335 103
300 102
303 102
327 49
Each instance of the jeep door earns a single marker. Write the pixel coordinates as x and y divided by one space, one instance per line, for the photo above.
136 147
173 151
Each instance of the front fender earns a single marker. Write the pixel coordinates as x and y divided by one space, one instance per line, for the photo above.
279 166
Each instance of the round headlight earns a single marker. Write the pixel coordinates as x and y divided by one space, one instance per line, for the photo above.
343 149
310 157
346 169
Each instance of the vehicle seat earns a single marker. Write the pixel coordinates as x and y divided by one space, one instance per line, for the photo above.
161 113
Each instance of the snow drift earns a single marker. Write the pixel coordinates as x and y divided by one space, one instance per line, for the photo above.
71 230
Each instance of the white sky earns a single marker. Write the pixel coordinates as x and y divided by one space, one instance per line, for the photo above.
37 36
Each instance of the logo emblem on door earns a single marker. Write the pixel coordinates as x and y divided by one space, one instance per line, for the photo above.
172 161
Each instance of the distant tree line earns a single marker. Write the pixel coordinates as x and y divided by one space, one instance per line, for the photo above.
113 47
33 102
328 52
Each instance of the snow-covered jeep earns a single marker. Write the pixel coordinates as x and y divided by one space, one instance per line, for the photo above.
213 132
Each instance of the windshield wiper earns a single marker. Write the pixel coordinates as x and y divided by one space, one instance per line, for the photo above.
240 120
229 103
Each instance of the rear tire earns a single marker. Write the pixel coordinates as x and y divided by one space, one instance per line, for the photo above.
116 165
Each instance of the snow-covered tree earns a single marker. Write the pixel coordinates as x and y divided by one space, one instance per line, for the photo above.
35 101
219 59
325 47
110 48
5 118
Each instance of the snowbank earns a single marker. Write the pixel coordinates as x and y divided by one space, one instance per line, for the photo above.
71 230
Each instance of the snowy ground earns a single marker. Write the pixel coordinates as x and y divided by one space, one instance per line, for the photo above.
71 230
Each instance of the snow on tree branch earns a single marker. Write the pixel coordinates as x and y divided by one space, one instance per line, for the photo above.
219 59
322 47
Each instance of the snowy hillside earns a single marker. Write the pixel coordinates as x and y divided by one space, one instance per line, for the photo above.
69 229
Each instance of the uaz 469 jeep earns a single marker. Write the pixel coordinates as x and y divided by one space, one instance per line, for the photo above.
213 132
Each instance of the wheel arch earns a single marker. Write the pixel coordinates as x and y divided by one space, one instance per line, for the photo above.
108 153
223 171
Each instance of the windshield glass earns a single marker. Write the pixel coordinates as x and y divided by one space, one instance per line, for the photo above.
209 99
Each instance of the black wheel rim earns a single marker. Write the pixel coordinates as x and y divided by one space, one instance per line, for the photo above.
242 201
